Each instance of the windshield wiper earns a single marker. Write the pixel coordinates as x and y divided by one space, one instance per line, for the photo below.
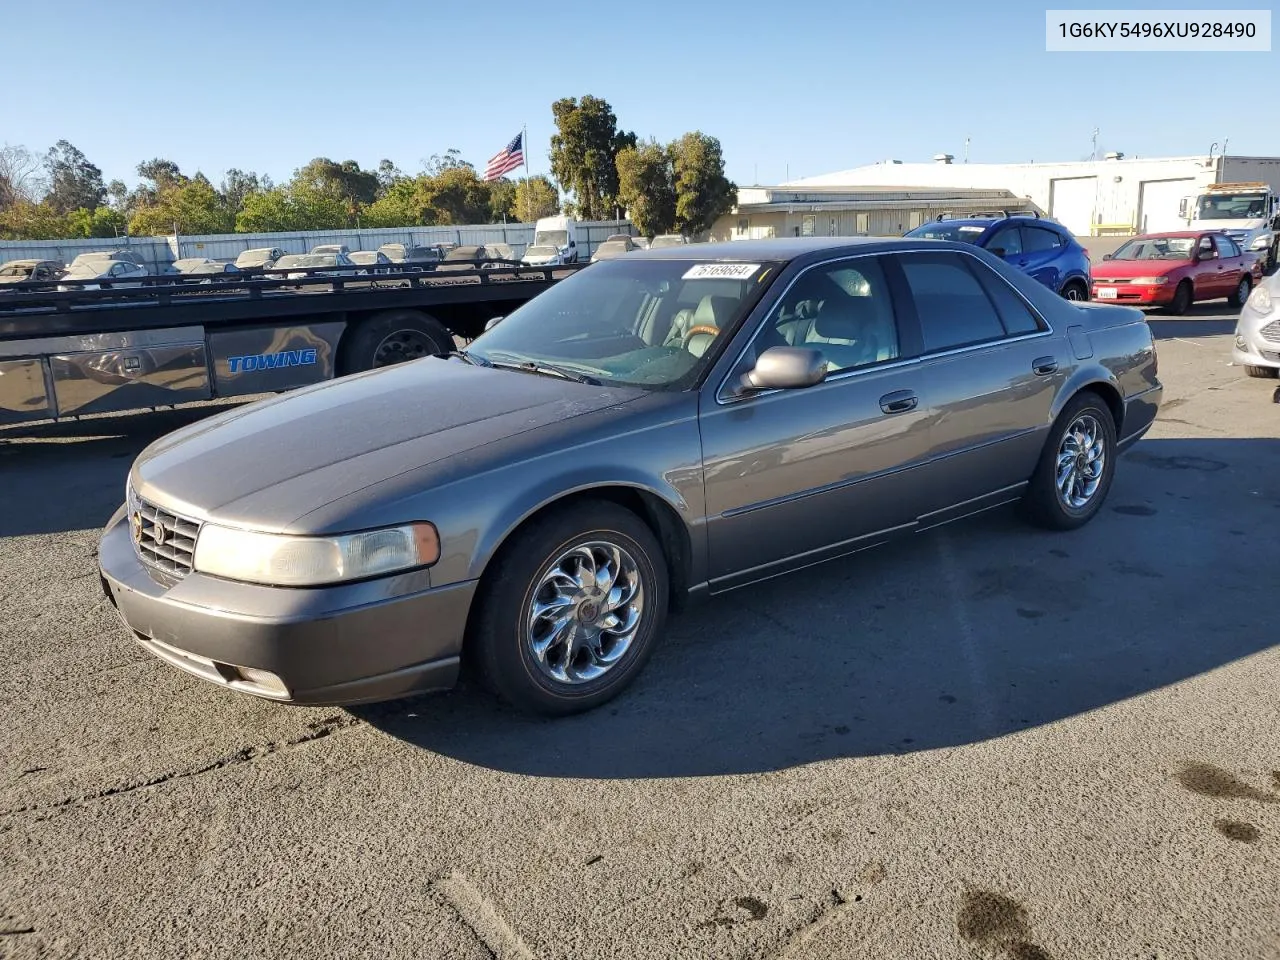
470 358
537 366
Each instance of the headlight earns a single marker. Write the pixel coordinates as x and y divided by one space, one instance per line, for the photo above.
1150 281
1260 299
1260 242
287 561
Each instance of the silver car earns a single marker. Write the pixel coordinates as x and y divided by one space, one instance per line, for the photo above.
652 430
1257 343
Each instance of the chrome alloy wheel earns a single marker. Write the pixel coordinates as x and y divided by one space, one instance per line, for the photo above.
1082 458
585 613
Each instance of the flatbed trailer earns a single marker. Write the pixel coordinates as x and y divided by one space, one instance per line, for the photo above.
72 352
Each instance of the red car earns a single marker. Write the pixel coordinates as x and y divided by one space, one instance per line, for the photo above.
1174 270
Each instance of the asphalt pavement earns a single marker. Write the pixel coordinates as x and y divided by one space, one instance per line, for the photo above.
986 742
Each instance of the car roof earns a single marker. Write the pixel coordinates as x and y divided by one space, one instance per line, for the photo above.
1187 234
787 248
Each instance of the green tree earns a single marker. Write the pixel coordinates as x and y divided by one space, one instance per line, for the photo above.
388 174
502 198
342 181
25 220
584 151
295 207
104 222
74 182
193 206
455 195
401 205
703 194
238 184
646 187
437 163
534 199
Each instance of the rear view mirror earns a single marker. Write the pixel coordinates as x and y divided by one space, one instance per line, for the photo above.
786 368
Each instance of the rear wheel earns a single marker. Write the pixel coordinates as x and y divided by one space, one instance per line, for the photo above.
393 337
1241 293
1075 290
1075 469
571 609
1262 373
1182 298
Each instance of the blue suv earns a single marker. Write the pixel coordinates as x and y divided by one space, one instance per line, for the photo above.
1045 249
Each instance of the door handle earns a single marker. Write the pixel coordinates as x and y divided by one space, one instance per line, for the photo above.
1043 366
900 401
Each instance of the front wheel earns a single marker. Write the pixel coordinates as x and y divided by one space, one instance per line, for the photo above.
571 609
1241 293
1182 298
1074 474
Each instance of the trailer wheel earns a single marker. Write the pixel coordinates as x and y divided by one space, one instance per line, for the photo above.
393 337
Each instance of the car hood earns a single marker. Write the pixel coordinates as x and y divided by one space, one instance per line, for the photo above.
1231 226
1136 268
267 464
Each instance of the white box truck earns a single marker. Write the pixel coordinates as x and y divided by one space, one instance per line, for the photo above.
558 232
1249 213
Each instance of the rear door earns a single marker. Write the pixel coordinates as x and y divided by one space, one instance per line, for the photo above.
1230 263
991 366
1042 251
1208 274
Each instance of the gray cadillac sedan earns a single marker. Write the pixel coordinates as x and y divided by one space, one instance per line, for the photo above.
661 427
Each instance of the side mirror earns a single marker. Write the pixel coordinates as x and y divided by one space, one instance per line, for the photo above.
785 368
1206 254
998 251
1107 256
1182 208
572 244
492 323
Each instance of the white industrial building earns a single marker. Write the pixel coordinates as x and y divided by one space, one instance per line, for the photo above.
1113 196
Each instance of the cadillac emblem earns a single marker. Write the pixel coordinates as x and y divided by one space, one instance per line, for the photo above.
135 526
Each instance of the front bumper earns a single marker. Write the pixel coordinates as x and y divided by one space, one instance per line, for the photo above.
1257 340
1134 294
345 644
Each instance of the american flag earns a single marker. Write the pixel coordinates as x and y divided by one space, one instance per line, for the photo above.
506 159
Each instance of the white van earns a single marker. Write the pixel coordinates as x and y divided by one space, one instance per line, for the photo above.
558 232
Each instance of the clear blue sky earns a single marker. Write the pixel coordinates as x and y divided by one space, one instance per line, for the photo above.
805 86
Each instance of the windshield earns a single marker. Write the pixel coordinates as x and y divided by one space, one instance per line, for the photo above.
611 248
658 242
1231 206
16 271
966 232
557 238
1156 248
628 321
541 251
253 258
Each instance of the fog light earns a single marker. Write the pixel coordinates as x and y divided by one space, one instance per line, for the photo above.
263 678
1240 343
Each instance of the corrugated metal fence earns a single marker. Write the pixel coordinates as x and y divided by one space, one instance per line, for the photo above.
160 251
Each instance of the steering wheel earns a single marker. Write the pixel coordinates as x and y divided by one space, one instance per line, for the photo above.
703 328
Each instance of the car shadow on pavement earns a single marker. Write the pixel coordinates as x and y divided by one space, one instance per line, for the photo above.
981 630
70 475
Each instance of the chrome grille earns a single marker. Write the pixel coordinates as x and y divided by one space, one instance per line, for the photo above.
163 539
1271 332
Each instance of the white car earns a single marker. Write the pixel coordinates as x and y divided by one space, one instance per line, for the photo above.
302 265
338 248
1257 344
667 240
259 257
115 271
542 255
376 259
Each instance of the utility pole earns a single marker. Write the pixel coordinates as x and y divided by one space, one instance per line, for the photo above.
966 149
1093 154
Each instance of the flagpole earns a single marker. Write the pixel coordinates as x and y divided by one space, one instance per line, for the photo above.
524 142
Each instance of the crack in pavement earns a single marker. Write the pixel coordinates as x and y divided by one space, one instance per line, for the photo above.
826 913
318 730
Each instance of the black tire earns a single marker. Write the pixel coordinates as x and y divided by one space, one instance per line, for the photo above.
498 646
1042 503
1262 373
1182 299
394 336
1241 293
1075 291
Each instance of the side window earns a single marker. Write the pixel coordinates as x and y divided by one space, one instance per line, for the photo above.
1226 247
953 308
1205 246
843 310
1018 318
1037 239
1007 241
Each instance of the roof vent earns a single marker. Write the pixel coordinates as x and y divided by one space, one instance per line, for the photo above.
1115 155
943 157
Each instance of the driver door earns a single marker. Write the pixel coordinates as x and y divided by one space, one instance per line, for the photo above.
793 477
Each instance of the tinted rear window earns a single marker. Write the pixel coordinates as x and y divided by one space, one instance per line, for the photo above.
953 308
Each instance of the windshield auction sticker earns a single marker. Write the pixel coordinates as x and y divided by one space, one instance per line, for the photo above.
1235 31
721 271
